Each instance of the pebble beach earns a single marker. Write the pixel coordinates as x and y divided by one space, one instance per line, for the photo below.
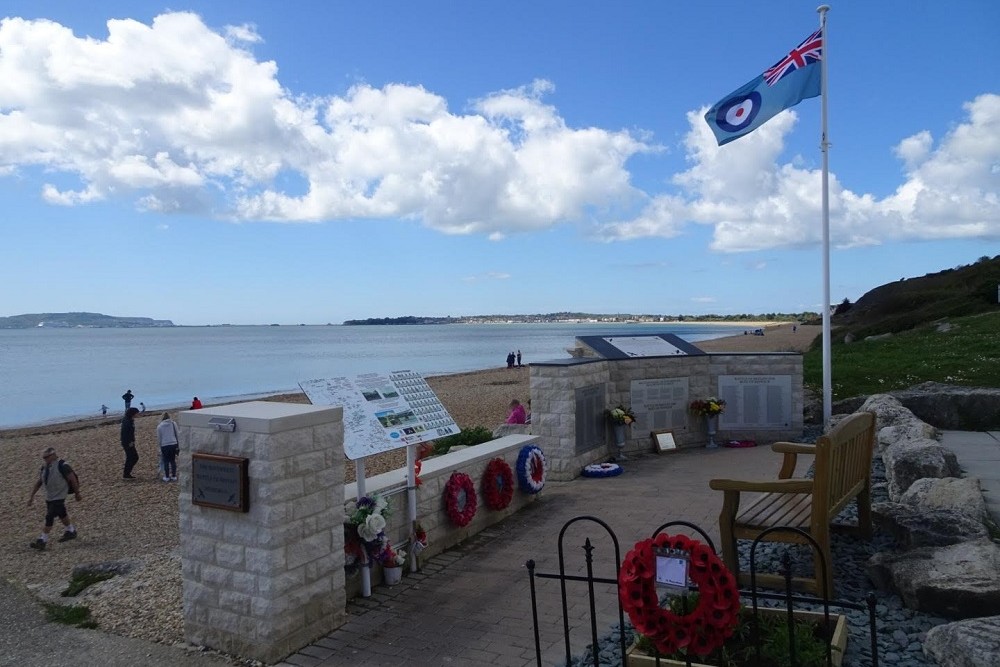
137 520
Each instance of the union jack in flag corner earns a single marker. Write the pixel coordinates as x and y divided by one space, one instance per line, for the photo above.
792 79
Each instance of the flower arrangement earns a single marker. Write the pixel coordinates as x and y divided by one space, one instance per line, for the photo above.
390 557
621 415
369 518
708 407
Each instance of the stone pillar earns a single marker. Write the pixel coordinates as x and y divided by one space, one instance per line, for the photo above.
264 583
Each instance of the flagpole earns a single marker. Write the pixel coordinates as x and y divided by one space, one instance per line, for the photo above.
825 149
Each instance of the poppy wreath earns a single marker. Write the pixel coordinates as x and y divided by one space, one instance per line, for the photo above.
460 498
531 469
602 470
708 625
498 484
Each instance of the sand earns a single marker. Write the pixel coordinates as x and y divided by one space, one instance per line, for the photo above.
136 520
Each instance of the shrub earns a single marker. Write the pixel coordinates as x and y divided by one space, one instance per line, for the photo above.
467 437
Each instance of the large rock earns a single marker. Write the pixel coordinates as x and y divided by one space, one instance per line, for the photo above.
957 581
912 429
888 410
912 527
910 460
963 495
952 407
971 643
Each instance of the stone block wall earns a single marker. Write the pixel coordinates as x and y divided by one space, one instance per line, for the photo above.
552 386
431 511
264 583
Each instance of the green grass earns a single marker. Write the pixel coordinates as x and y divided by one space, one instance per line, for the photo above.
77 615
80 582
967 356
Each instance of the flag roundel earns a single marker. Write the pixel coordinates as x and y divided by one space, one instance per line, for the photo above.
736 113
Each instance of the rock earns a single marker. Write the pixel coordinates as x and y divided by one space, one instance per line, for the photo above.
888 410
879 336
849 338
944 327
910 460
963 495
909 430
913 527
115 567
971 643
952 407
957 581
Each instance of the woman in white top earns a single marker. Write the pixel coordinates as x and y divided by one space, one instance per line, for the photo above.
166 435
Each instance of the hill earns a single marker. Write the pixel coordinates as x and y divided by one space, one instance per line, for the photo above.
74 320
903 305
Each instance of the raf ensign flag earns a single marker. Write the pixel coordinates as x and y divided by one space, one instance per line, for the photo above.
791 80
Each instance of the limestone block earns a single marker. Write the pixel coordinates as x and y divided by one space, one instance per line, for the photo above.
913 527
308 549
265 561
213 575
229 556
266 471
241 533
270 588
280 491
244 582
234 601
314 503
888 410
963 495
223 620
971 643
275 514
956 581
910 460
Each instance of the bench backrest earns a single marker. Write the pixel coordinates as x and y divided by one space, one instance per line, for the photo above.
843 465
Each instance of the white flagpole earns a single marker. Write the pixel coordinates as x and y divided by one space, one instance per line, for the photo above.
825 149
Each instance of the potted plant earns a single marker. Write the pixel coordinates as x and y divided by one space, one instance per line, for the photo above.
811 639
392 561
709 408
620 417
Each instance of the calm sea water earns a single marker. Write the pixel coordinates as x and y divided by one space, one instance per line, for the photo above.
55 374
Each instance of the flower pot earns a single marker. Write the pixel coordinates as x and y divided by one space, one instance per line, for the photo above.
712 426
636 658
392 575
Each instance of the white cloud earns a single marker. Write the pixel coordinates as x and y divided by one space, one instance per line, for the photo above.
703 299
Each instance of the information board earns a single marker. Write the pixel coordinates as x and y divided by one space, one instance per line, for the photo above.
644 346
660 403
383 411
756 401
220 481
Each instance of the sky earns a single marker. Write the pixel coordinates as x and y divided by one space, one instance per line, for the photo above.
309 162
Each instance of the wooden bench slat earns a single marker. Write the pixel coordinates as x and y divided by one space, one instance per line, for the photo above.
777 509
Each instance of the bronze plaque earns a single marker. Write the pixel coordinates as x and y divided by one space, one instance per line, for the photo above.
220 481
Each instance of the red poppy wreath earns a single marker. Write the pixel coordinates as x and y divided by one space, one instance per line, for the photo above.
498 484
713 619
460 498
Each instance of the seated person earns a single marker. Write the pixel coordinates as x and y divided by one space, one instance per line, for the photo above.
517 414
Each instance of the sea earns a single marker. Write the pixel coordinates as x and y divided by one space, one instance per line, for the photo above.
52 375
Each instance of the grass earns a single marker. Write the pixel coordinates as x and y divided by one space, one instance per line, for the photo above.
966 356
80 582
77 615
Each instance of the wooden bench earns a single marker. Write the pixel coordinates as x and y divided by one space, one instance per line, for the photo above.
842 472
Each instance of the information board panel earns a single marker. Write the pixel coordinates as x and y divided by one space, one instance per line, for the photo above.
383 411
222 482
756 401
644 346
660 403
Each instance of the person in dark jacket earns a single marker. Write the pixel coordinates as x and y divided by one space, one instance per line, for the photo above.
128 442
127 397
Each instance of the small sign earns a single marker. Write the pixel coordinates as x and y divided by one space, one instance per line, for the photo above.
672 570
222 482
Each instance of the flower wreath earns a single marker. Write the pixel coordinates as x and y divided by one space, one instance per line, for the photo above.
713 619
460 513
602 470
498 484
531 469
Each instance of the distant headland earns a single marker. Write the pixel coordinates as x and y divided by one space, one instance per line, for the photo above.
78 321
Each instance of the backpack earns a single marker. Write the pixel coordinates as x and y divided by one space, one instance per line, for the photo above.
64 470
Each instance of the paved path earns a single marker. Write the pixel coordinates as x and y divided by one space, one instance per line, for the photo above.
471 605
979 456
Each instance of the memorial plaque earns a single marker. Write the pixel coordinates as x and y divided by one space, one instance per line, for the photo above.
590 419
660 403
756 401
222 482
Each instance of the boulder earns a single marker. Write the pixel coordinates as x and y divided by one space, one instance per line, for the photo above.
910 460
913 429
963 495
912 527
971 643
944 406
956 581
888 410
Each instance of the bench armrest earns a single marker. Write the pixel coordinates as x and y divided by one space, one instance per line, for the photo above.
778 486
791 450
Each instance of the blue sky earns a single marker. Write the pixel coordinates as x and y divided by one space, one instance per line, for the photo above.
311 162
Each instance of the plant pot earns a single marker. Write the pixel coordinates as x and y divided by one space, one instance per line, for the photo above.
636 658
392 575
712 426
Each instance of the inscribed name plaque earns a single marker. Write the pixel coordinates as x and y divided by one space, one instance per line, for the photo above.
222 482
660 403
590 418
756 401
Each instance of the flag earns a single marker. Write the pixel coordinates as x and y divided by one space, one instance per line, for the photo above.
789 81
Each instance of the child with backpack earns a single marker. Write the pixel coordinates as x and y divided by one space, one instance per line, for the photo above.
59 480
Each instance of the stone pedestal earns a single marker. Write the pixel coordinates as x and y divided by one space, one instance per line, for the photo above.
264 583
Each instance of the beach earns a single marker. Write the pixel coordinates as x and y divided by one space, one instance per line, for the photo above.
137 520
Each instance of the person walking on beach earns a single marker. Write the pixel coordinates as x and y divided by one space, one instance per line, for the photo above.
128 442
517 414
166 435
519 358
104 410
59 480
142 407
510 360
127 397
196 404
